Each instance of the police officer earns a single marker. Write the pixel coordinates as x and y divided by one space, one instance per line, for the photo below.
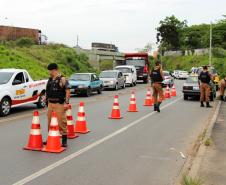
57 97
204 79
222 88
157 78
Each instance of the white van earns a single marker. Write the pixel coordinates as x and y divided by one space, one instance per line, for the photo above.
130 74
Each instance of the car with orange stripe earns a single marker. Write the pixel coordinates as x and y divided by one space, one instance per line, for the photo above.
18 88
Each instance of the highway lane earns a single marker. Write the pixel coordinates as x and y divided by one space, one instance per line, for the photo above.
147 153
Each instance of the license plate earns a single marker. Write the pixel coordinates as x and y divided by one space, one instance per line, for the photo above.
195 88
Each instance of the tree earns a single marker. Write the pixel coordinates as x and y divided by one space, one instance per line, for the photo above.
168 33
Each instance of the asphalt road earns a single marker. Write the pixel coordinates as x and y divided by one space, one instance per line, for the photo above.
142 148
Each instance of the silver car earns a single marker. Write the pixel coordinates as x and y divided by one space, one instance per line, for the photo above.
112 79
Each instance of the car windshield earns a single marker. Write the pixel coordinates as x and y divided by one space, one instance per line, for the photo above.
80 77
124 69
5 77
192 79
183 72
136 62
166 73
108 74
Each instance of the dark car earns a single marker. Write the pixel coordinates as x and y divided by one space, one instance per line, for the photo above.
191 88
85 83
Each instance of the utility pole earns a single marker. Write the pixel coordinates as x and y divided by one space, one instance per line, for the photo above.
210 49
77 41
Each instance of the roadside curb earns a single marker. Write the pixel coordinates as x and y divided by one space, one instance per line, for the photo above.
193 162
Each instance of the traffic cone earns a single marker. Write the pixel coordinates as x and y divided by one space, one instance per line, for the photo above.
133 105
35 138
149 99
80 125
115 114
70 125
53 144
173 92
167 92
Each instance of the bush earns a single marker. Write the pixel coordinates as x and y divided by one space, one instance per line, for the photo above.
219 52
25 42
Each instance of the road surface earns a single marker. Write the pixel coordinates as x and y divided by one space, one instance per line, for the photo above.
142 148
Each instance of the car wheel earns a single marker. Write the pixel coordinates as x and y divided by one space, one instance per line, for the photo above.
185 97
99 91
41 101
5 107
135 83
88 92
131 85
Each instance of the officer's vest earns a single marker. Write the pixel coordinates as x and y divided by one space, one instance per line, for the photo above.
156 75
204 77
54 91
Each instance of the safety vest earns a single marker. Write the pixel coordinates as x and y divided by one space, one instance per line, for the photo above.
156 76
204 77
55 93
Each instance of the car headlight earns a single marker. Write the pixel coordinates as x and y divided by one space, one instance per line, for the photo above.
112 82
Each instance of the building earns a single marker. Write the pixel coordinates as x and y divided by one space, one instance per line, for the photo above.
104 47
13 33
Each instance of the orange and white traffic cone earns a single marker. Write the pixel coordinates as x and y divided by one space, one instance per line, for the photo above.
148 99
53 144
115 114
70 124
80 125
132 105
173 92
167 92
35 138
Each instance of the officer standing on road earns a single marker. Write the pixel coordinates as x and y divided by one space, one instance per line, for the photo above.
205 78
157 78
222 88
57 98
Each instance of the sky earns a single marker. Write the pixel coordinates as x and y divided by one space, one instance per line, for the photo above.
129 24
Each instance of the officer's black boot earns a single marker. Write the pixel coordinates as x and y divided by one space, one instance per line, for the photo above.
64 141
202 104
222 98
208 105
155 107
158 107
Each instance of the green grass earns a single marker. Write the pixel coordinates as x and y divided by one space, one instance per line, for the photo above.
187 62
35 59
208 142
191 181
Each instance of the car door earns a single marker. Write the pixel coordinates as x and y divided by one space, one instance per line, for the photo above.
19 89
96 81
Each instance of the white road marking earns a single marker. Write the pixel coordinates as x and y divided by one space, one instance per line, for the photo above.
87 148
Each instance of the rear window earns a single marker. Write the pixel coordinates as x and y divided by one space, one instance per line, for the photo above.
124 70
192 79
136 62
5 77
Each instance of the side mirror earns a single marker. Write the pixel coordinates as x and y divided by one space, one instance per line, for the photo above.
16 82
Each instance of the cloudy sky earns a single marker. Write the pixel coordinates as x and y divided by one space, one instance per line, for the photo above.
129 24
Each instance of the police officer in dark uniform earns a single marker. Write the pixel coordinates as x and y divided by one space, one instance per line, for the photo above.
57 98
204 79
157 78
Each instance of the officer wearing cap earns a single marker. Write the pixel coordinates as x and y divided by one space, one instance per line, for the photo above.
57 98
157 78
204 79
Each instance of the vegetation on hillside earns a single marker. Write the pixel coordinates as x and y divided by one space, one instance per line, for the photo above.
35 58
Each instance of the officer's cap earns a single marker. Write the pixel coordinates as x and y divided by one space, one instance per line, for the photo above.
52 66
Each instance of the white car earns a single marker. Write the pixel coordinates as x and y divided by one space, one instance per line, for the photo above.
183 75
18 88
130 74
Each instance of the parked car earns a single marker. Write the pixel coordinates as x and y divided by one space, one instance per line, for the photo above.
175 73
183 75
168 79
130 74
112 79
18 88
141 62
85 83
191 88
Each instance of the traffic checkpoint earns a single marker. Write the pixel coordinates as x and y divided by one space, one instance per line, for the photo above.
80 125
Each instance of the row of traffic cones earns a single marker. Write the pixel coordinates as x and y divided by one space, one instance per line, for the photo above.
53 143
149 101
